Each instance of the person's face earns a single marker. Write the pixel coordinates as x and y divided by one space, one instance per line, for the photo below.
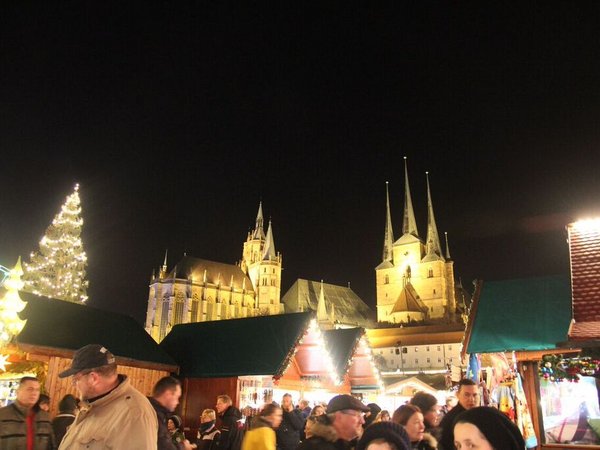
318 411
45 407
379 446
28 393
348 423
221 406
84 384
432 416
468 436
205 419
170 398
286 403
307 426
170 425
468 396
415 427
276 418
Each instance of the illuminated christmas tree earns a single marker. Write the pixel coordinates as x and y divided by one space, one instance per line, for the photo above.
58 269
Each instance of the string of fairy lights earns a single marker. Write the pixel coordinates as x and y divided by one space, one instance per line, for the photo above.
58 269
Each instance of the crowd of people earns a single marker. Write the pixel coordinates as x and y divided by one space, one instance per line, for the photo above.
113 414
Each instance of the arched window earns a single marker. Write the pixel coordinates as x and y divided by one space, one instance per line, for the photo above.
387 279
430 273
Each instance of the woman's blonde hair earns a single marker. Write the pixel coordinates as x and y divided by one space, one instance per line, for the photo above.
210 413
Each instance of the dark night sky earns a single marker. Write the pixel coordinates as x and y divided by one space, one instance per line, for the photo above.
176 118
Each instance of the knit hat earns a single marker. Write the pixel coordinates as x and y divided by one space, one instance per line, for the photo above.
176 421
375 409
499 431
389 431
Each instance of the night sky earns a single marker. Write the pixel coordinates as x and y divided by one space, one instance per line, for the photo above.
177 118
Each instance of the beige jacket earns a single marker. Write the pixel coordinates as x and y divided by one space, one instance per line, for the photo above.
122 420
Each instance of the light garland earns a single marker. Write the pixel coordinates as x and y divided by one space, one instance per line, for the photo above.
10 306
58 270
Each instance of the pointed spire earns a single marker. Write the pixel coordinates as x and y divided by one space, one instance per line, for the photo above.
409 224
447 247
258 230
269 249
321 308
433 239
164 267
388 238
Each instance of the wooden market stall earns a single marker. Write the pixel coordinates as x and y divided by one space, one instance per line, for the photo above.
255 360
55 329
517 321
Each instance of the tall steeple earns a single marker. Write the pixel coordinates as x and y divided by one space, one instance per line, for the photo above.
409 224
258 229
321 308
447 247
433 239
388 239
269 252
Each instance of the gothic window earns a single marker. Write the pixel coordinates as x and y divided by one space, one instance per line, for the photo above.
427 348
416 360
265 270
439 360
387 280
434 292
273 270
430 273
428 360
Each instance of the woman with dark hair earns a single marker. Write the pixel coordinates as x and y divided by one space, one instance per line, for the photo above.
67 409
261 435
411 418
486 428
431 412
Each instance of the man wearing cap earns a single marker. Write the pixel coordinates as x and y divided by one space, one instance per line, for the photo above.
22 426
340 427
113 413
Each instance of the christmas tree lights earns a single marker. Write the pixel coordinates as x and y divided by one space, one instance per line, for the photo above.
10 306
58 269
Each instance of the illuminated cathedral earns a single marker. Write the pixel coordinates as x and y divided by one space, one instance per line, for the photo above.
415 280
198 290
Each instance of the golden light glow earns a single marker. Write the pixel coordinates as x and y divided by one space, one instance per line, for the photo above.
588 225
3 362
10 306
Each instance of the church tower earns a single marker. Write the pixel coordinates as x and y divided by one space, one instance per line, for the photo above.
262 264
415 281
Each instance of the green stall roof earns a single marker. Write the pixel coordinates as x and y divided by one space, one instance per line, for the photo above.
521 315
236 347
69 326
341 344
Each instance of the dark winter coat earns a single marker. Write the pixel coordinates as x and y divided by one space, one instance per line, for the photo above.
232 430
13 428
60 424
288 433
324 437
165 440
427 443
447 426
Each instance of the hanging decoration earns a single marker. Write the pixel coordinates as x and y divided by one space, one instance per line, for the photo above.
558 368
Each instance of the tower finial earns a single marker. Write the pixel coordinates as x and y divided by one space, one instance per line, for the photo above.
447 247
388 236
433 240
409 224
258 229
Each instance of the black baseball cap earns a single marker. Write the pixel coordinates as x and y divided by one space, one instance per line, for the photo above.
345 401
91 356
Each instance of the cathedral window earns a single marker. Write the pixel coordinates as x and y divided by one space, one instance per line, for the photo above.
434 292
430 273
265 270
428 360
416 360
387 279
273 270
